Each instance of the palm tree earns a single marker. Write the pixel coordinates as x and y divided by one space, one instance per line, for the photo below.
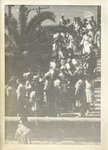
27 37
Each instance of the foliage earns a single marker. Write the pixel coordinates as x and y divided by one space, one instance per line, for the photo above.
26 41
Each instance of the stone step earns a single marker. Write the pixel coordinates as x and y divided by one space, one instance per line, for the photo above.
98 61
98 100
98 66
97 92
97 81
98 69
95 111
97 89
98 104
95 114
97 107
97 97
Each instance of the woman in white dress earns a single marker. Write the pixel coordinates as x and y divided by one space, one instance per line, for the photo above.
88 90
11 99
86 42
33 101
21 97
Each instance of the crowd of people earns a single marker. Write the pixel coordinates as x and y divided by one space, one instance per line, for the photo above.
84 32
67 84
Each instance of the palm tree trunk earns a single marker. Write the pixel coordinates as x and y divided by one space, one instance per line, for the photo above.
10 10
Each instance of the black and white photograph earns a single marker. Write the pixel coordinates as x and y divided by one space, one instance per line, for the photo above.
52 74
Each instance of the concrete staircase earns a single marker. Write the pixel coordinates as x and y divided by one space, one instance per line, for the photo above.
96 112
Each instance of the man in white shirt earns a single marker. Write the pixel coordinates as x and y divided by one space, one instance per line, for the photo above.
62 21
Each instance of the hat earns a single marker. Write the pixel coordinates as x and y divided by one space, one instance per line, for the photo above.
74 62
62 15
52 64
35 78
89 27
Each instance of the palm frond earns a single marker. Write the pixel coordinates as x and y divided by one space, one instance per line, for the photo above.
11 48
38 19
23 16
12 37
11 25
